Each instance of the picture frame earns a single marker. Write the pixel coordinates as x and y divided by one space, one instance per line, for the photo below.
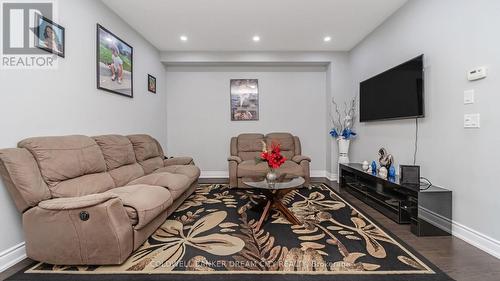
244 99
151 84
114 63
49 36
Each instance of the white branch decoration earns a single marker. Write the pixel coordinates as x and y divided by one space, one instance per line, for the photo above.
342 124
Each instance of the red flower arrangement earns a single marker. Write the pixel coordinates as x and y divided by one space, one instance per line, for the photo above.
273 157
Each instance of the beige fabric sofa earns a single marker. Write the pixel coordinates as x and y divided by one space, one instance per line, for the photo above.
246 147
93 200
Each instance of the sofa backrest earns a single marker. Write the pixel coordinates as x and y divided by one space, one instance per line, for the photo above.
286 142
70 165
119 157
249 146
148 152
22 178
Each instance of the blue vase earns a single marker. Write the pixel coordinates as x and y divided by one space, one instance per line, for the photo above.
392 172
374 167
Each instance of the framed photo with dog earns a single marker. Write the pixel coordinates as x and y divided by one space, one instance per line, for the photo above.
114 63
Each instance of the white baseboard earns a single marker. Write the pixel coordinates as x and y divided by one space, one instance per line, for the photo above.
12 256
225 174
214 174
476 239
324 174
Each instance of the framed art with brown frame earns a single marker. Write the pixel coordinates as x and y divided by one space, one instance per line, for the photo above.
114 63
50 36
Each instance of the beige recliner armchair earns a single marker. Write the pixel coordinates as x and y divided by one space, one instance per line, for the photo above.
246 147
93 200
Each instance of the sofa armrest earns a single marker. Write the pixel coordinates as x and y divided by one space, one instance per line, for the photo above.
92 229
178 161
235 158
299 158
71 203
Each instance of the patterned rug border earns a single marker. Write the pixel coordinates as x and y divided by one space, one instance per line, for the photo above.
431 269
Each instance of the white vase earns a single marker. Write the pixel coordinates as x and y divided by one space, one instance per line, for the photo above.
343 150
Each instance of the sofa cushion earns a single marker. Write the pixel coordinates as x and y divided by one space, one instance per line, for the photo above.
22 178
143 203
145 147
72 203
190 171
125 174
178 161
66 157
250 142
177 184
84 185
117 150
151 164
249 155
248 168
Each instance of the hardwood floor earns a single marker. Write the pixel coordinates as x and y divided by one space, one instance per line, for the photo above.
458 259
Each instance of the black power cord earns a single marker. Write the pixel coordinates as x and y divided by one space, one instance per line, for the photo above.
416 142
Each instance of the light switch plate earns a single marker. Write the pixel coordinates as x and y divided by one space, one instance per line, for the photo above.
469 97
471 120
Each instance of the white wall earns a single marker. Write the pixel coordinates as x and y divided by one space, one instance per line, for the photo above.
454 36
277 69
66 101
291 99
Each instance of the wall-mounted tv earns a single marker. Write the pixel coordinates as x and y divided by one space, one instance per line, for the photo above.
397 93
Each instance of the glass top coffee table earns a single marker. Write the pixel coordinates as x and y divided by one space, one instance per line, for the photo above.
274 196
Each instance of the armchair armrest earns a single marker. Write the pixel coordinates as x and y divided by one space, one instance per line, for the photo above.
71 203
235 158
299 158
178 161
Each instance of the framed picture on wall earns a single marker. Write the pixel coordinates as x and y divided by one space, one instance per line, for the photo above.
151 83
114 63
49 36
244 99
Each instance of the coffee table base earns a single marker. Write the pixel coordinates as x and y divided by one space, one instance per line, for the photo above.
274 201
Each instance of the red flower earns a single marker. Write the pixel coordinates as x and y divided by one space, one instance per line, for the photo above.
273 157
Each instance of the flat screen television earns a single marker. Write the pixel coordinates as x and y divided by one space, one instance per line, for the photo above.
397 93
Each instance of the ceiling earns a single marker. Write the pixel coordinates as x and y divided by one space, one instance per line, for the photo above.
229 25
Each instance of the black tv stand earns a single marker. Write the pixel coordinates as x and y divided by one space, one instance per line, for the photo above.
427 211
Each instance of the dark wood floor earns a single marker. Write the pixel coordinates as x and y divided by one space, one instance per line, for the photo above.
458 259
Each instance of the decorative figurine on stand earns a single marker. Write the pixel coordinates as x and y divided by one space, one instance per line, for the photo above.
365 166
373 168
382 172
385 159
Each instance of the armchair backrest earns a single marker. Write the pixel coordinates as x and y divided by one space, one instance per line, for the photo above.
287 143
249 146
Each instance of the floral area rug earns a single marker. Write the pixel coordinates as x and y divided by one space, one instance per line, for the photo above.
213 233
